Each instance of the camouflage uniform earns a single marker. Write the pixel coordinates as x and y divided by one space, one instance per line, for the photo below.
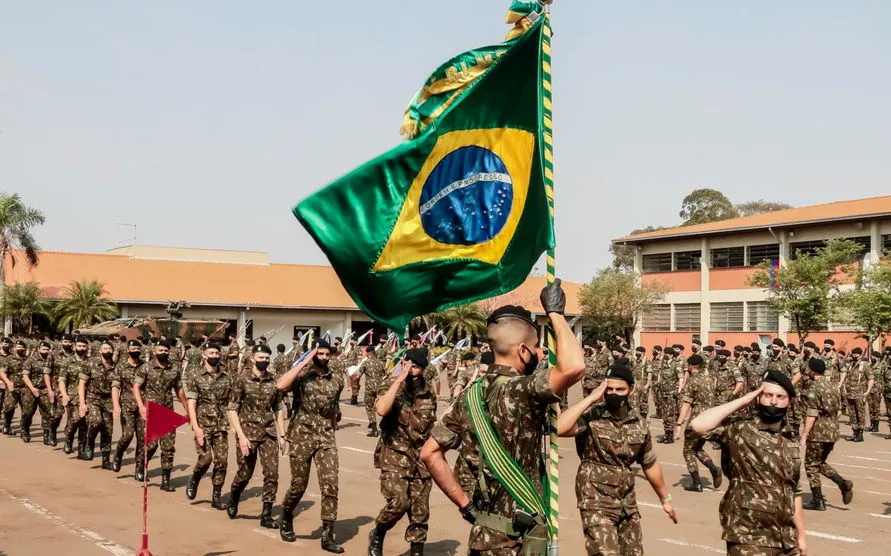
595 369
856 381
699 392
74 423
886 377
640 400
19 395
36 367
405 481
518 415
727 376
256 401
100 416
667 384
311 435
604 485
211 390
823 401
874 400
125 373
280 365
451 369
157 383
375 373
193 359
232 352
656 365
763 464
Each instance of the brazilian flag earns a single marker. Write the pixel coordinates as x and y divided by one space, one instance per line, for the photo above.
459 212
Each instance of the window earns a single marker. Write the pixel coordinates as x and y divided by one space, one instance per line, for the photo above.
729 257
809 247
886 244
762 317
863 241
658 319
687 260
760 253
727 317
301 330
660 262
687 317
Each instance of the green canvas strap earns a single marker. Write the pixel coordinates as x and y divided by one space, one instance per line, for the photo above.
503 466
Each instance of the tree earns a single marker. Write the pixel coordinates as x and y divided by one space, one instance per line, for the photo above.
21 302
706 205
463 321
806 289
83 305
17 221
623 255
868 306
614 300
760 207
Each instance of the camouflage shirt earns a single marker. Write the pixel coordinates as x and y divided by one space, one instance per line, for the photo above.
670 375
157 382
280 365
823 402
125 373
98 377
763 464
405 429
608 446
193 358
754 373
375 373
781 364
640 370
316 398
210 390
596 366
857 378
14 366
36 367
518 414
256 401
699 392
70 373
726 378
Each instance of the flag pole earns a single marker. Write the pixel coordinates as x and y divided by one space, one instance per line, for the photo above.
547 125
145 549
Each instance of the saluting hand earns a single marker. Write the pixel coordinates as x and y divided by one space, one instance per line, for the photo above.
751 396
598 392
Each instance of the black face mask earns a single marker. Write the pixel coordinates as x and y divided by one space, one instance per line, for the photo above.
826 350
262 365
323 364
530 366
134 355
107 356
213 361
66 348
771 414
80 352
162 357
615 402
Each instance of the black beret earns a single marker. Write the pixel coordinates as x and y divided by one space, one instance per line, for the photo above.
777 377
669 351
338 339
67 338
677 346
723 353
7 340
876 354
792 348
817 365
778 342
511 311
738 348
21 343
810 344
370 349
487 358
261 348
720 343
697 342
640 349
623 361
321 344
418 357
163 343
695 360
209 345
842 352
134 343
857 351
468 356
81 340
44 344
756 347
657 348
887 349
829 342
620 371
708 349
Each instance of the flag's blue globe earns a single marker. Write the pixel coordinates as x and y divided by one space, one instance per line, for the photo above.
467 198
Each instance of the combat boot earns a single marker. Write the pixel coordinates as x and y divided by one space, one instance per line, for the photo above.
165 481
69 445
695 483
106 461
192 488
373 433
234 498
53 438
817 503
26 435
7 426
116 461
87 452
417 549
717 478
329 542
217 502
286 525
853 437
873 427
669 437
376 541
858 436
140 470
354 400
847 490
266 517
46 438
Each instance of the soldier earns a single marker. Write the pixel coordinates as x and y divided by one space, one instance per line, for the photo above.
822 401
256 415
311 435
232 353
761 512
158 383
610 438
207 391
69 378
17 393
729 381
65 351
487 358
640 400
886 375
754 368
375 373
655 370
698 396
124 403
857 382
351 358
669 384
39 375
193 358
596 366
516 399
874 400
281 363
407 405
5 353
466 369
833 362
94 393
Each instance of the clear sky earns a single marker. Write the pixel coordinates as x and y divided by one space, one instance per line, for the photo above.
205 122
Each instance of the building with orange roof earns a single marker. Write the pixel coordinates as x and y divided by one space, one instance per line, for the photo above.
706 267
241 287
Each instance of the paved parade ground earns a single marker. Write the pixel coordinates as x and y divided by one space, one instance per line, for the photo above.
51 503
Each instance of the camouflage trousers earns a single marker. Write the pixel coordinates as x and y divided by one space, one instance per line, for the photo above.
640 401
452 378
267 449
100 422
167 442
874 400
736 549
657 401
50 411
693 450
324 453
74 423
607 536
370 410
815 456
669 409
355 385
405 495
129 422
23 398
888 406
857 412
215 451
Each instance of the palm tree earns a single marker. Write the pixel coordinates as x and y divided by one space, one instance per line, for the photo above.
83 305
21 302
16 222
464 320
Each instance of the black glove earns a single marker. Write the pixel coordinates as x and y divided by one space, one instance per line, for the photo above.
468 512
553 298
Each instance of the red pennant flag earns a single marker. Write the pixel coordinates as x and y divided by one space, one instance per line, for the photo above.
160 421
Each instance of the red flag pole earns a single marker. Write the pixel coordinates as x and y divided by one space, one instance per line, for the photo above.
145 549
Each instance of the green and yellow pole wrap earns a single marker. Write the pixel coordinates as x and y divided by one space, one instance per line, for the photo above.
547 125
